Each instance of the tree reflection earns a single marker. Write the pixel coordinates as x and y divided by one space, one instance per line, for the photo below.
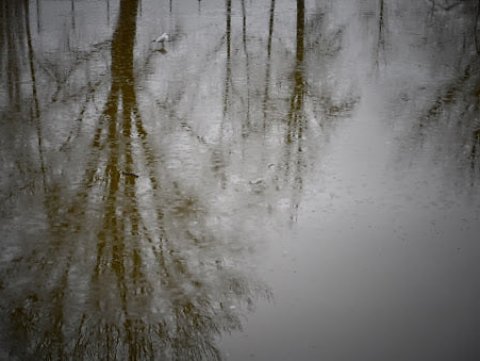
475 29
268 67
20 102
310 108
130 269
228 62
449 122
12 35
133 259
380 48
296 117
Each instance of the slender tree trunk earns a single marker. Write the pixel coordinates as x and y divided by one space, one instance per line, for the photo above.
72 13
228 70
269 56
475 29
35 106
247 64
39 17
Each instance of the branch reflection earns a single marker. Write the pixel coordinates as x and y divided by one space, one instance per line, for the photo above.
130 268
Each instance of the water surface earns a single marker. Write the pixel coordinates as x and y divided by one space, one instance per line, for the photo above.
280 180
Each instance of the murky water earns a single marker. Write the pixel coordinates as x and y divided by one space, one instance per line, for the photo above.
279 180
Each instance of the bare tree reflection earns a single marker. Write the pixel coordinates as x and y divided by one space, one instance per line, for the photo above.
21 104
380 48
246 124
475 29
35 107
296 118
450 121
310 108
130 269
228 62
268 63
12 38
39 11
72 13
132 261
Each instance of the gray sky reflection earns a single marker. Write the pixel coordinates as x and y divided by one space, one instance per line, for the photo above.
281 180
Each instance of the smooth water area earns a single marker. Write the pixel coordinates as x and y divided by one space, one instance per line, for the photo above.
278 180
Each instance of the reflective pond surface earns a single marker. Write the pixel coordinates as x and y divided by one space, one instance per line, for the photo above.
277 180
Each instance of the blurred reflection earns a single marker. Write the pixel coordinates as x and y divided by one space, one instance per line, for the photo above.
133 180
128 268
380 48
296 120
12 33
268 67
228 65
449 124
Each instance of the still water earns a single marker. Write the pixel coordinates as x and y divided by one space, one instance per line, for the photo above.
280 180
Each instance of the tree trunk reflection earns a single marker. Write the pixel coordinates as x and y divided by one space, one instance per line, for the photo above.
124 284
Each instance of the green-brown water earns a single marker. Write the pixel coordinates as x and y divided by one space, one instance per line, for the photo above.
280 180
